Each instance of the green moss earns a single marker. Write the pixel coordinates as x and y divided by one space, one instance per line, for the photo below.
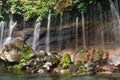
85 70
20 65
26 51
55 60
78 64
65 61
9 68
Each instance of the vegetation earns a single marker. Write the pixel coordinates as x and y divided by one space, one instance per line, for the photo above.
65 61
40 8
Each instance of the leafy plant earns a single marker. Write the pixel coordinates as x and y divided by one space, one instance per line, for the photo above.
26 52
20 65
65 61
39 9
82 5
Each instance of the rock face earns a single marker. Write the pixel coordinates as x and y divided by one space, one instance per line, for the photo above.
14 51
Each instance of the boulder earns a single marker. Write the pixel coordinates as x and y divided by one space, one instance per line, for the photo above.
15 51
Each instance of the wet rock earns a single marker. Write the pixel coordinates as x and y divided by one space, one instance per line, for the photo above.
72 67
54 59
12 51
34 71
80 57
41 53
91 73
16 50
41 71
112 70
47 65
89 66
65 71
57 70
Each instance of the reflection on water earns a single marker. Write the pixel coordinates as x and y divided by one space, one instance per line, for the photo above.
10 76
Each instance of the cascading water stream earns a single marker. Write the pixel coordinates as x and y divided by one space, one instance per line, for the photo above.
101 26
115 16
117 6
9 38
2 29
114 58
48 34
36 35
60 33
83 30
76 44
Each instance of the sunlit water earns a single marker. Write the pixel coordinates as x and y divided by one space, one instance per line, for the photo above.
83 30
9 38
101 26
9 76
60 33
76 34
2 30
48 34
36 35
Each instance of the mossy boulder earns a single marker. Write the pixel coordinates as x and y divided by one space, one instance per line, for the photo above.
16 50
83 57
99 56
65 61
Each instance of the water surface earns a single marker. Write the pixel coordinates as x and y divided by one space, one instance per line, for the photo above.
11 76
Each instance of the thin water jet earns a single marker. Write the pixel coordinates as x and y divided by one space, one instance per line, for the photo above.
36 35
83 30
9 38
60 33
48 34
101 26
116 28
2 29
76 44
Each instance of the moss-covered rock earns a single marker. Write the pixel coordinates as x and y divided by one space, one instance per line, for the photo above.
55 59
41 53
27 52
65 61
16 50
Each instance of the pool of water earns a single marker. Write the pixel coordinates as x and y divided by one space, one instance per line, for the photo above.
11 76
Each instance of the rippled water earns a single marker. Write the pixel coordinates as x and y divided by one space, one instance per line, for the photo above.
10 76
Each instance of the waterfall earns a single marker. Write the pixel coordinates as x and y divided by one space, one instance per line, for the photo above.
60 38
36 35
76 34
83 30
116 26
2 29
48 34
9 38
115 57
101 26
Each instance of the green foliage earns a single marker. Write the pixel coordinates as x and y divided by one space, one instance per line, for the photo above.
3 10
82 5
26 52
9 68
20 65
65 61
16 6
78 64
31 9
55 60
39 9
